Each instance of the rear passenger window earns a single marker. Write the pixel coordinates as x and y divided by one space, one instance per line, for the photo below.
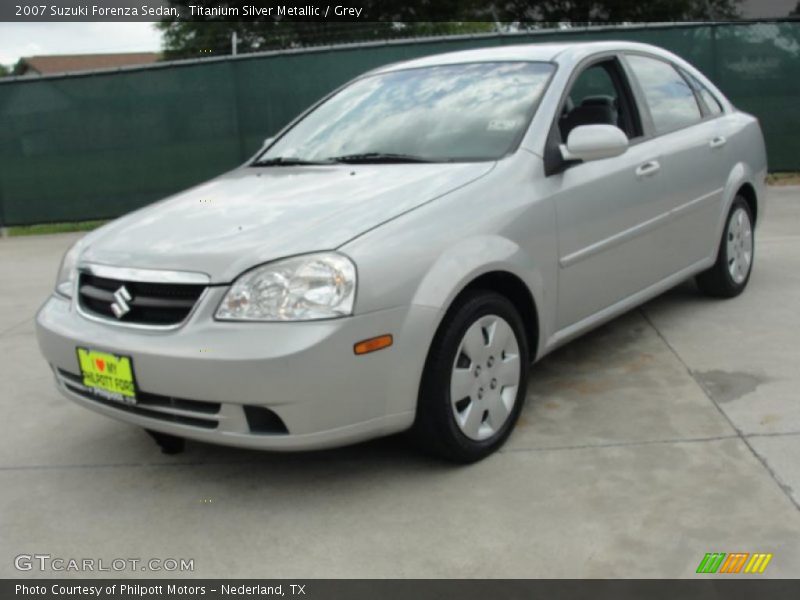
672 102
711 102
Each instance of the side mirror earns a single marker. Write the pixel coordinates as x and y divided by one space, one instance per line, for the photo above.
593 142
267 142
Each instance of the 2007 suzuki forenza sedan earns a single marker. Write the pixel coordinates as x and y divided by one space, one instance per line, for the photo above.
398 255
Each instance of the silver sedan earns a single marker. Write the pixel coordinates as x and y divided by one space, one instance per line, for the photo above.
398 256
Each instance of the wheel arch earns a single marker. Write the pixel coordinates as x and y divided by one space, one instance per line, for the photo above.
748 192
511 287
743 181
493 263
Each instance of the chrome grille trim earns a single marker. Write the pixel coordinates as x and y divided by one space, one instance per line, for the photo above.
145 275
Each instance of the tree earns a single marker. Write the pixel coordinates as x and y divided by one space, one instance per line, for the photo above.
387 19
616 11
4 71
796 11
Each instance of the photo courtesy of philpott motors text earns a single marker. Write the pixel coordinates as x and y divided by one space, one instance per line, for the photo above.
123 589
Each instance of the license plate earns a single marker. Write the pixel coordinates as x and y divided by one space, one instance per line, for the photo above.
108 375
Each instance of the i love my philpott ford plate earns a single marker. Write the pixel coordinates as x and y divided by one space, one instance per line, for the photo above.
108 375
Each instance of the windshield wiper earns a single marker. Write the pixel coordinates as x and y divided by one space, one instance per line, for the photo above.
380 157
287 161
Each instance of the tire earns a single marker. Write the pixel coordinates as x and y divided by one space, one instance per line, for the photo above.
480 352
730 274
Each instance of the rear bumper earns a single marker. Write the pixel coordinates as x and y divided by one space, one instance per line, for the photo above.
305 373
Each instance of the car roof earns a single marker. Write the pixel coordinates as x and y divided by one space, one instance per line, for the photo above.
562 53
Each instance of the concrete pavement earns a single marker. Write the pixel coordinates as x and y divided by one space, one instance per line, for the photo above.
670 432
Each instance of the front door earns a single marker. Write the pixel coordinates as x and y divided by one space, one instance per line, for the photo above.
606 208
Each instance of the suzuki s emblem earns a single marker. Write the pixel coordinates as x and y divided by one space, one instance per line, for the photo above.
120 306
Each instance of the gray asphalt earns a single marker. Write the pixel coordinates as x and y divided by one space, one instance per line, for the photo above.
670 432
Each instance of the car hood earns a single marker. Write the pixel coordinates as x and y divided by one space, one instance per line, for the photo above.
253 215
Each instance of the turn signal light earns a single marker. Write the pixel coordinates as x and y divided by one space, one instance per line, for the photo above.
373 344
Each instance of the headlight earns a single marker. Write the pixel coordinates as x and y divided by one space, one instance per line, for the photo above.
68 272
304 288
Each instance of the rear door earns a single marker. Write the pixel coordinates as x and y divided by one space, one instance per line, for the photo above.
694 158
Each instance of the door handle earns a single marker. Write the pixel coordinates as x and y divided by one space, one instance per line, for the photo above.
718 142
649 168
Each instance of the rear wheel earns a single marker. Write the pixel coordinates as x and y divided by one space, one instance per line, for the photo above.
475 378
730 274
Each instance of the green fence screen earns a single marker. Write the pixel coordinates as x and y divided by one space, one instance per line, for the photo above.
101 144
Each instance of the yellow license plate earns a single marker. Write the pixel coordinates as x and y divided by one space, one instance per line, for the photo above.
108 375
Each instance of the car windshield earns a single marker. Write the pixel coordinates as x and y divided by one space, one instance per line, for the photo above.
461 112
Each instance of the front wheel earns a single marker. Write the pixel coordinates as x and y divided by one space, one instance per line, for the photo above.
730 274
474 383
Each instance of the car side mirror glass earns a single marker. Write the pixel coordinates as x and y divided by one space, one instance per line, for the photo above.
594 142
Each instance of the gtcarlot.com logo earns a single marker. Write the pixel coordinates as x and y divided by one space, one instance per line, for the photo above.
47 562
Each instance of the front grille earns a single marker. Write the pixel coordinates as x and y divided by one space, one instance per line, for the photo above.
157 304
166 408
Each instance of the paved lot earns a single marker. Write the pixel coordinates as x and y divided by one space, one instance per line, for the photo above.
671 432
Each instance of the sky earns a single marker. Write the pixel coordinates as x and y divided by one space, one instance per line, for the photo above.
30 39
751 9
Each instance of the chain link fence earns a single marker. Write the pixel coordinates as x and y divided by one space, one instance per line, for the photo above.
97 145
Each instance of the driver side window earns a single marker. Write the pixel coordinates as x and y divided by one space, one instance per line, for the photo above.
599 96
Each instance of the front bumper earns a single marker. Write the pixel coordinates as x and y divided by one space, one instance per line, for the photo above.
196 381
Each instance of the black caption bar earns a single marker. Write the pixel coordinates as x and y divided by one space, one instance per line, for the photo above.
417 589
527 11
